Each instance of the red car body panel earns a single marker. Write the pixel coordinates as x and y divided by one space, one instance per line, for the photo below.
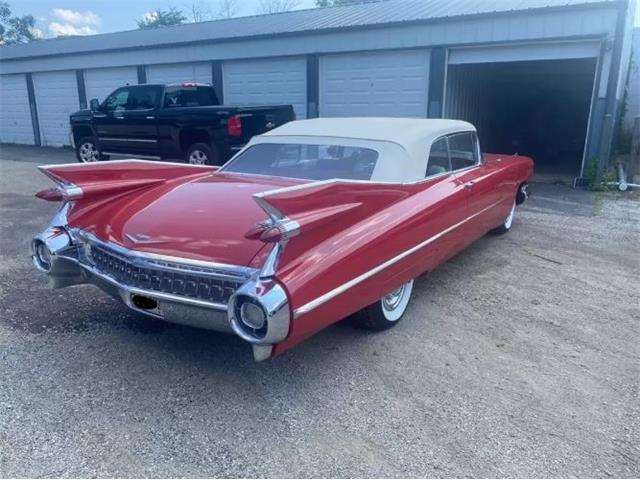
391 219
180 212
346 228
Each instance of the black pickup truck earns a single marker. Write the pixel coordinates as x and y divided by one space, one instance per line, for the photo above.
178 121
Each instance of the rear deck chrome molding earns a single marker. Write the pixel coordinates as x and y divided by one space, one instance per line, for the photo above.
135 160
313 304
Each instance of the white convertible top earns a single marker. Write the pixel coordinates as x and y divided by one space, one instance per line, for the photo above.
403 143
404 131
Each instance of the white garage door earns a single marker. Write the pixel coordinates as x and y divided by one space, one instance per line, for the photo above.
15 115
179 72
524 52
270 81
100 82
56 98
367 84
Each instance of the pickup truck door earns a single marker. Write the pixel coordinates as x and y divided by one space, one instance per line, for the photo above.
126 122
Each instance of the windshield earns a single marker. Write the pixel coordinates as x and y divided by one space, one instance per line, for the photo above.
306 161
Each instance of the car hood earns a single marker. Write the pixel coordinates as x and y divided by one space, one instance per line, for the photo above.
204 219
80 115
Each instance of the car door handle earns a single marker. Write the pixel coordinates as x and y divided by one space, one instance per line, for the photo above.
150 117
468 185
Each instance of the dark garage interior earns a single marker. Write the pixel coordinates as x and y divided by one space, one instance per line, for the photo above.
536 108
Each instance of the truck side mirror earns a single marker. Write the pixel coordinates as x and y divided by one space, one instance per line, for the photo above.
94 104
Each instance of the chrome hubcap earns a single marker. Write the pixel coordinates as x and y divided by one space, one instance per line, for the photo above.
395 303
88 152
391 301
198 157
509 220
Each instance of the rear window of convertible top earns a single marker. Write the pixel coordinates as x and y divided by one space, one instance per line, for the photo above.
306 161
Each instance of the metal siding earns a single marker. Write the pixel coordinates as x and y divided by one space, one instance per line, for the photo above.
57 98
628 36
368 84
313 86
15 115
179 72
272 81
488 29
358 15
633 88
100 82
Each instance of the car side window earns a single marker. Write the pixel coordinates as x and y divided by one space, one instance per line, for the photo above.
195 96
438 161
117 101
463 150
142 98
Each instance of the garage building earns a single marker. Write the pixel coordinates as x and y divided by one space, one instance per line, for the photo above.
537 77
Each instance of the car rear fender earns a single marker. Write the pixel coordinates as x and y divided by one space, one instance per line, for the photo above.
96 180
315 212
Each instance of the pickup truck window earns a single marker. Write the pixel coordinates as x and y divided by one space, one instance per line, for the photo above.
132 98
306 161
196 96
117 100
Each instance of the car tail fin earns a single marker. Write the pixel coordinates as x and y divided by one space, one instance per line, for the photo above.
317 211
89 180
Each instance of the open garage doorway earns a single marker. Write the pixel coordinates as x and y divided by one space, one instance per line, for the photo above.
536 108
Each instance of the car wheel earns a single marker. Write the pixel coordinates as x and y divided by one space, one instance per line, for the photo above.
201 154
506 226
387 311
87 151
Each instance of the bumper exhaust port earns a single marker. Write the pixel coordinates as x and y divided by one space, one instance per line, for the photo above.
144 303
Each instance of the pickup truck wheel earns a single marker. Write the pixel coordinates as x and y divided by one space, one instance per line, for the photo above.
387 311
506 226
87 151
201 154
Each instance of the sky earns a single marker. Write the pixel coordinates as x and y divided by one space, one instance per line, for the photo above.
85 17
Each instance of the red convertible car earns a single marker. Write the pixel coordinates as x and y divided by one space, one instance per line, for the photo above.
312 222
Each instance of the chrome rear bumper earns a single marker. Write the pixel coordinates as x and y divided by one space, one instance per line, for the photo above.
66 271
67 263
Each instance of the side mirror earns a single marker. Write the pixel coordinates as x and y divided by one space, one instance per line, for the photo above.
94 104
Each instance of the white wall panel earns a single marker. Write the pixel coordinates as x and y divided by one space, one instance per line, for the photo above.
15 114
56 99
393 83
179 72
272 81
100 82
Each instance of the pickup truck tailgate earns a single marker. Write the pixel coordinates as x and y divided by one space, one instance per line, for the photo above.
257 120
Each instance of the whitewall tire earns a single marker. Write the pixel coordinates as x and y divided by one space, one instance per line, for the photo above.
387 311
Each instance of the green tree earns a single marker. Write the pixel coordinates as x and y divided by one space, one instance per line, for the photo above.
15 29
161 18
277 6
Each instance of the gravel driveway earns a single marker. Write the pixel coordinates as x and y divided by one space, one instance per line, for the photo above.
518 358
